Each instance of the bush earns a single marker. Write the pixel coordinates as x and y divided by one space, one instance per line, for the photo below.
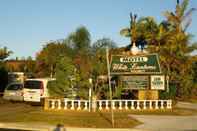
171 94
3 78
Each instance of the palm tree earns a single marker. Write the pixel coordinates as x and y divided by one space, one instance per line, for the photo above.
176 52
180 19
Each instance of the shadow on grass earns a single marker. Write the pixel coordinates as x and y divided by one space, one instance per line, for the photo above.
105 117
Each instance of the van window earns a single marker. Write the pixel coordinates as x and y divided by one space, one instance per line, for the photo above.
14 87
33 84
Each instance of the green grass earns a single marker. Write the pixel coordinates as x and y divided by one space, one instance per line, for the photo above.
20 112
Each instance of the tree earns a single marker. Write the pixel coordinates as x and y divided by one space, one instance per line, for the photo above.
99 55
99 64
181 18
4 53
175 50
172 42
47 58
64 72
80 39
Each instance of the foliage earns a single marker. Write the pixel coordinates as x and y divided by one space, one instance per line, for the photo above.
64 72
99 55
3 78
177 50
47 58
4 53
170 40
80 39
169 94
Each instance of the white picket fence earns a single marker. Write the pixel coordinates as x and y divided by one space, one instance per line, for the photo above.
66 104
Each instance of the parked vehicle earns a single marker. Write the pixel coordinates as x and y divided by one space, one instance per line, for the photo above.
35 90
14 91
16 77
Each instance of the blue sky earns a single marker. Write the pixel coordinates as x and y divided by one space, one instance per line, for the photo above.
26 25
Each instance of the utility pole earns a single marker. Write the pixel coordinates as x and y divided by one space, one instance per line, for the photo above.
109 82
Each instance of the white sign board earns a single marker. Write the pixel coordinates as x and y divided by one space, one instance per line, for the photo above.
158 82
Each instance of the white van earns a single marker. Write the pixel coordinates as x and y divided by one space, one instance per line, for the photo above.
35 90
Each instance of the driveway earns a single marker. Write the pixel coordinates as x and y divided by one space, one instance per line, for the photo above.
166 123
187 105
169 123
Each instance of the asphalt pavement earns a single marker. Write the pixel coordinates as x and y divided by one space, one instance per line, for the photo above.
166 123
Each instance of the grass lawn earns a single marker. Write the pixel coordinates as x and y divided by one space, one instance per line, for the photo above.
20 112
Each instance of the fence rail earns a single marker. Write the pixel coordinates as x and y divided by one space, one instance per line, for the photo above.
66 104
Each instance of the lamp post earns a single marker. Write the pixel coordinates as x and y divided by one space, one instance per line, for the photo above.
90 93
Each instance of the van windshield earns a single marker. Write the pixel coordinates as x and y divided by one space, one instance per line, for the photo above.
33 84
14 87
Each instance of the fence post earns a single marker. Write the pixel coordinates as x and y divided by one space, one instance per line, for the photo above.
132 105
126 105
65 104
156 104
169 104
138 105
72 105
150 104
106 105
100 105
59 104
86 105
113 105
120 105
79 105
144 105
53 104
162 107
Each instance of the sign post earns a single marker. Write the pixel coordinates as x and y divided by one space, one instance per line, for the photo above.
109 82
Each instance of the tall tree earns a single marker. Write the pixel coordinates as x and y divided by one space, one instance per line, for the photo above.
175 54
64 71
80 39
4 53
48 57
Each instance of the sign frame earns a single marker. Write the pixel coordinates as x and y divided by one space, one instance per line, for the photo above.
136 73
135 80
159 77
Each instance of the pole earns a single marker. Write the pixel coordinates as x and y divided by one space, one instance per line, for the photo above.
167 83
90 95
90 99
109 82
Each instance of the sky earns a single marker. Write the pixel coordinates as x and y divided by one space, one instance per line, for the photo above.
27 25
